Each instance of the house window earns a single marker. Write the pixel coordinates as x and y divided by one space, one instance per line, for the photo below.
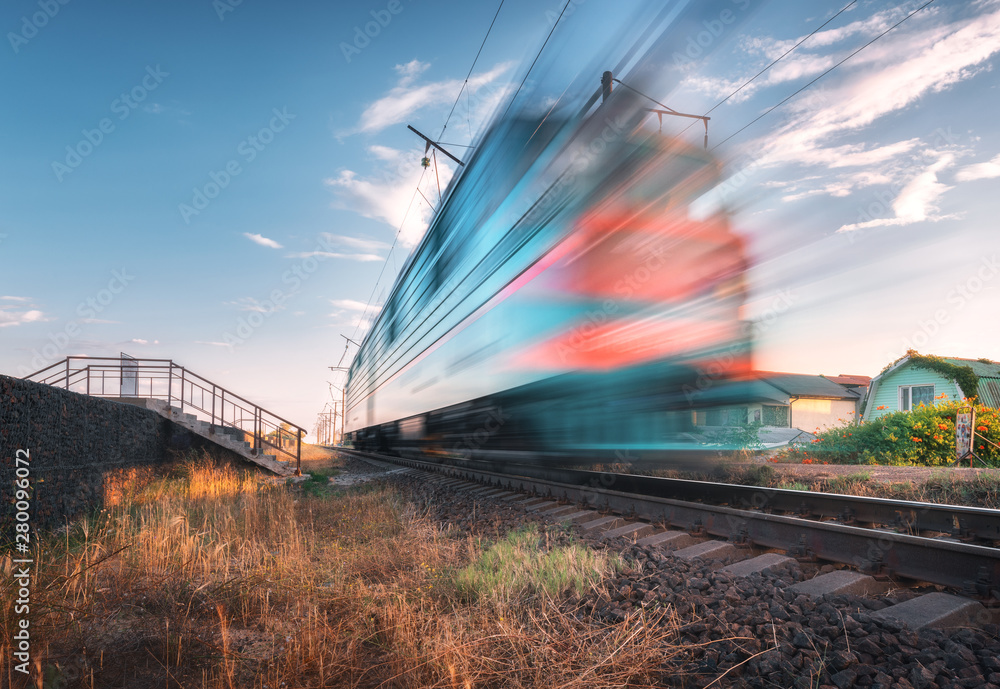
775 416
716 417
735 416
912 396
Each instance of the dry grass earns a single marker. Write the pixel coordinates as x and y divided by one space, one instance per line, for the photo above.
214 578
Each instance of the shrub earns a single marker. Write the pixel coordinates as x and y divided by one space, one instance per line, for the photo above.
742 439
922 437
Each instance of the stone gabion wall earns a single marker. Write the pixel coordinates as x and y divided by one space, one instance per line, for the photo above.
75 443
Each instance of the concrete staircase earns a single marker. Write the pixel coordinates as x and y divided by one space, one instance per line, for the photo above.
224 436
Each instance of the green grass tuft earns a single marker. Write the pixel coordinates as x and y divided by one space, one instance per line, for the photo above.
518 565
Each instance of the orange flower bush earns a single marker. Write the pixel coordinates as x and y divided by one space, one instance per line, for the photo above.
922 437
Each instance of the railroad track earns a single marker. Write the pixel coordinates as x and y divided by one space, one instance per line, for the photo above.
947 545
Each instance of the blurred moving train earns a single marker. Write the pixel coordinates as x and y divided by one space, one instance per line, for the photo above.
562 306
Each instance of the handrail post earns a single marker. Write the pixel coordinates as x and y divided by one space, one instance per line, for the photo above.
212 428
256 431
298 452
170 383
67 373
182 389
88 381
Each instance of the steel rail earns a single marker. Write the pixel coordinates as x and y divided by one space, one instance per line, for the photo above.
972 568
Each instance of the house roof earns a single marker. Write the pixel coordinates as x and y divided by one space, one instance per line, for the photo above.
850 379
989 378
980 368
803 385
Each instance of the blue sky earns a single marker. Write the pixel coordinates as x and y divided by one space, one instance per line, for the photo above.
869 201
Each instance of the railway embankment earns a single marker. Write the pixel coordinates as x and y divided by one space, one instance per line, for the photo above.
752 630
74 442
76 447
366 576
971 486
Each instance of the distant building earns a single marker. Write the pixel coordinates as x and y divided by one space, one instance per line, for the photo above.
851 382
915 379
790 406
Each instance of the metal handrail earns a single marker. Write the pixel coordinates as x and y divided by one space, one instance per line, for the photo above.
174 383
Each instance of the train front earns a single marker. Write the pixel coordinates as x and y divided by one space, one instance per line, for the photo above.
639 332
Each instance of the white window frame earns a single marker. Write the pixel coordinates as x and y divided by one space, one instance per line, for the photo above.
906 393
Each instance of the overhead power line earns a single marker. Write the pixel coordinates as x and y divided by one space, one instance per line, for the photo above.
797 92
813 33
537 55
417 189
474 61
775 61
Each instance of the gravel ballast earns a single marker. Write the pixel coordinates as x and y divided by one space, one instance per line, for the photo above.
747 631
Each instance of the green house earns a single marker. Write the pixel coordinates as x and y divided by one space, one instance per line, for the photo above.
916 379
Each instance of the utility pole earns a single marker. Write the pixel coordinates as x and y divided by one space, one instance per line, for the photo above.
343 390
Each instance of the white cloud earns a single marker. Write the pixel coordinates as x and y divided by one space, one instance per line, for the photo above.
387 194
410 71
917 202
263 241
251 304
349 304
11 317
898 71
387 197
987 170
797 65
407 98
140 341
928 55
342 246
363 258
213 344
353 313
362 243
15 298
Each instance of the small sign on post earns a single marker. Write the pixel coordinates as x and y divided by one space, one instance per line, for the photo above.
129 376
964 421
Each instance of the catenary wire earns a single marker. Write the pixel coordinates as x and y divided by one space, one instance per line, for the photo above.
797 92
417 189
474 61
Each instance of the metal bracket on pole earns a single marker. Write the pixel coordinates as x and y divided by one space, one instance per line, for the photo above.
435 145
